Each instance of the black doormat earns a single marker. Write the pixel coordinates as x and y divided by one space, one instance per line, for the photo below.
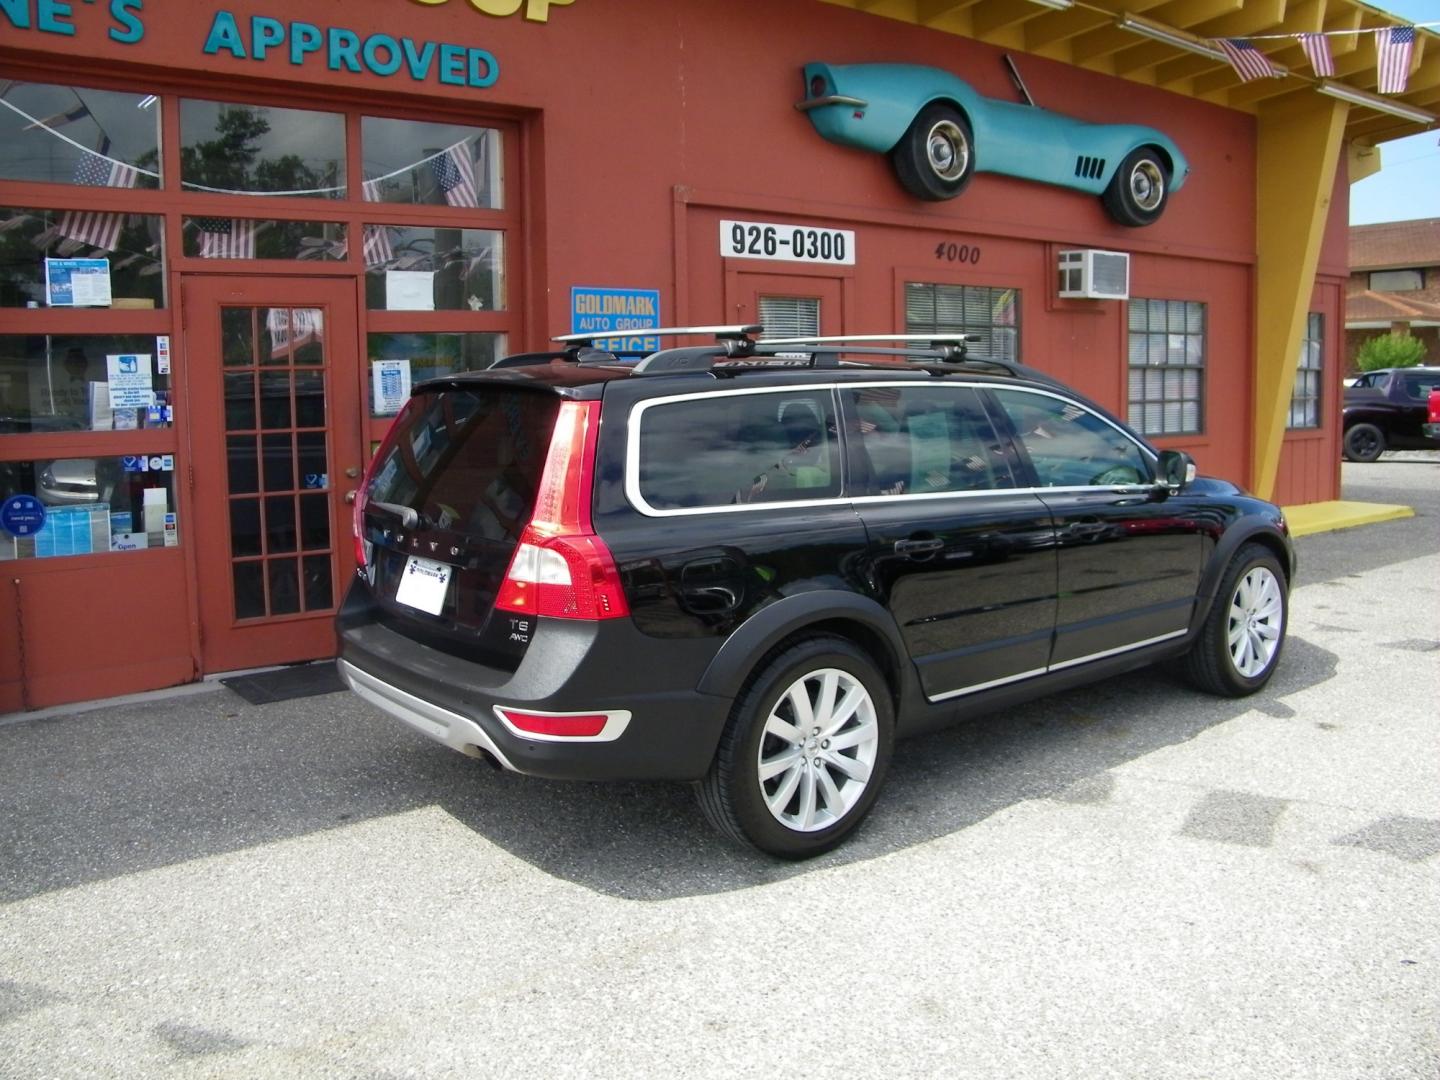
303 680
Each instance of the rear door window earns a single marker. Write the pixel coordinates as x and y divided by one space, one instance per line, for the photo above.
734 449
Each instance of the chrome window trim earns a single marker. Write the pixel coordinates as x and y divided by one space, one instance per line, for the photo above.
632 449
948 694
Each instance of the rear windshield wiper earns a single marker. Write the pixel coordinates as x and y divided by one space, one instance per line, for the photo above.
408 515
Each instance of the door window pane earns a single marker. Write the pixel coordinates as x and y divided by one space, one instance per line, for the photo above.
790 316
232 149
61 382
248 238
419 268
133 243
86 506
431 164
75 135
992 314
1305 395
923 441
401 360
1069 446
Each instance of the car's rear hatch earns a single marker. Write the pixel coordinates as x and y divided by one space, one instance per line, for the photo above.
449 495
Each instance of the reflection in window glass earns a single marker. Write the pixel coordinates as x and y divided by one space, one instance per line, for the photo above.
258 150
61 382
438 269
431 164
133 243
1305 394
399 361
75 135
992 315
85 506
1070 447
247 238
746 448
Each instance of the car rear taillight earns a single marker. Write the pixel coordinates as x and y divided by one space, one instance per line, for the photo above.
362 493
561 569
1434 407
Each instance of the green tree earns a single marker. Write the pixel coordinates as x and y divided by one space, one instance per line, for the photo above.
1390 350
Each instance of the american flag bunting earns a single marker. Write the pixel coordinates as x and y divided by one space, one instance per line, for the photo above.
377 247
1248 61
1393 46
94 227
455 173
1317 50
226 238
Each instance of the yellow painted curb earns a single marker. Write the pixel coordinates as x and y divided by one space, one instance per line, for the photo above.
1328 516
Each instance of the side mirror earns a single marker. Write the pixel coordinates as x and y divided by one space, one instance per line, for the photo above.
1176 469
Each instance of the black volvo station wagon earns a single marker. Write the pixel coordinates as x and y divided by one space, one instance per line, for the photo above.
753 564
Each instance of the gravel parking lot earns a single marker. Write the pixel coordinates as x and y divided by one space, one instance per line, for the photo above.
1130 880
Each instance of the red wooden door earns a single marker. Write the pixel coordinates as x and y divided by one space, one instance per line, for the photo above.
274 395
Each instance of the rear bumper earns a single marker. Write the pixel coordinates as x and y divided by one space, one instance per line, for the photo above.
670 729
1431 431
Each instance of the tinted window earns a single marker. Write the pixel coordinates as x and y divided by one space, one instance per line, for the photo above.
1418 387
1069 446
725 450
923 440
468 460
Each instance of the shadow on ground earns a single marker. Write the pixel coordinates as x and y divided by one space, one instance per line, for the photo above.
88 797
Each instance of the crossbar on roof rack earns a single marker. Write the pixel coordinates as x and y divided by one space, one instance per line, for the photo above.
738 330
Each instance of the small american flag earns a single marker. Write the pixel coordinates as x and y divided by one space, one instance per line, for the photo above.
226 238
1248 61
376 245
371 189
455 172
1393 46
96 228
1317 51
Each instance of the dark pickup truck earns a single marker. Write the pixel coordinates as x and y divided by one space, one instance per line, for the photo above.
1388 410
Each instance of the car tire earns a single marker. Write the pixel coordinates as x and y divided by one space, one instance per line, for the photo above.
1363 442
1139 190
789 791
1240 643
935 158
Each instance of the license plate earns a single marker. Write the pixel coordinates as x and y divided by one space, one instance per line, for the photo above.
423 584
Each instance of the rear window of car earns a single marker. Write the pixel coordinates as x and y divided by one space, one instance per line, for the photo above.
468 460
736 449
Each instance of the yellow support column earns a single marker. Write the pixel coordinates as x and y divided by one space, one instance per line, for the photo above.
1299 148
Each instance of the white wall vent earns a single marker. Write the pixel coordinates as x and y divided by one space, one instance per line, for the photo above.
1095 275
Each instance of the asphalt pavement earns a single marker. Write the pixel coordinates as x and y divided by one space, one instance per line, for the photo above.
1131 880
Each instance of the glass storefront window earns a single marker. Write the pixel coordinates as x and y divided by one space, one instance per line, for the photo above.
398 361
993 314
231 149
63 383
74 135
431 164
417 268
247 238
85 506
134 244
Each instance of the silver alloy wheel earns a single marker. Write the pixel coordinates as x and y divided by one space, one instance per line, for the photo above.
1147 185
1257 616
947 150
817 750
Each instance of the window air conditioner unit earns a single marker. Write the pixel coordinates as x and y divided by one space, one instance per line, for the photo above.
1095 275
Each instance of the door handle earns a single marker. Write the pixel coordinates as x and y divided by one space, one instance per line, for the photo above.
1087 528
912 548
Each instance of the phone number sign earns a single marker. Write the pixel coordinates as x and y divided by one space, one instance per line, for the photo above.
787 243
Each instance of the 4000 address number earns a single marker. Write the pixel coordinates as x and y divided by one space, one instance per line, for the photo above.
787 243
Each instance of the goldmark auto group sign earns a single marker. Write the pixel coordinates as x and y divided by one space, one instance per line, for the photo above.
535 10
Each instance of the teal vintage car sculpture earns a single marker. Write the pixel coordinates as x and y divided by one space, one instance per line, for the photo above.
939 132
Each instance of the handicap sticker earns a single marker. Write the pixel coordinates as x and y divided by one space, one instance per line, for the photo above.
135 464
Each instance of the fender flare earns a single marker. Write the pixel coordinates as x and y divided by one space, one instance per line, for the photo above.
772 624
1237 536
